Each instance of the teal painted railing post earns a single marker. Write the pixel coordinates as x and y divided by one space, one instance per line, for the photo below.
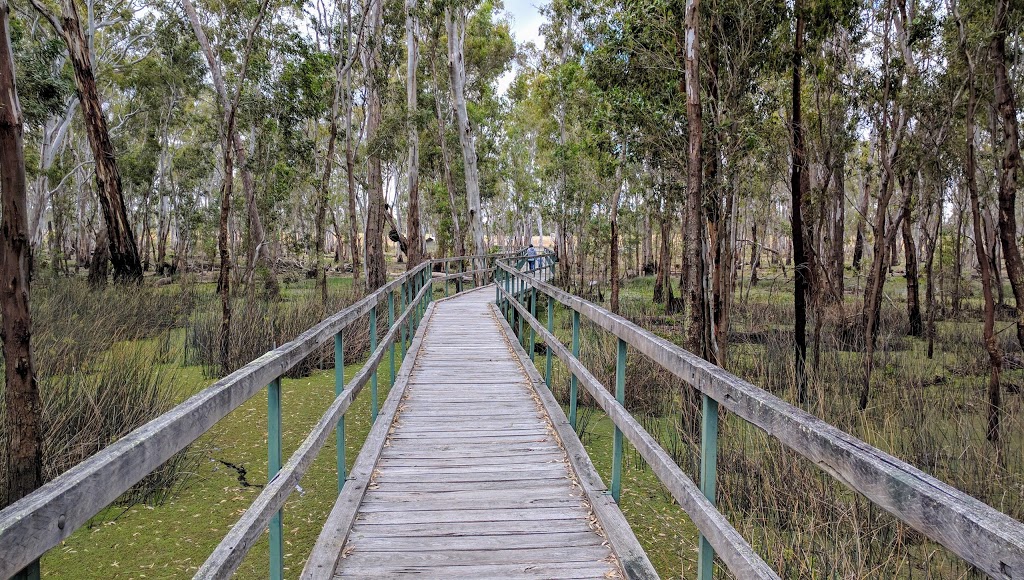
373 377
574 382
519 299
620 396
708 468
339 387
419 300
551 330
273 466
508 291
533 313
401 308
391 324
408 302
428 280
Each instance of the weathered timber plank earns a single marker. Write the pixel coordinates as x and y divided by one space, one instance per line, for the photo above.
480 557
506 501
494 515
442 487
566 571
472 498
363 542
531 527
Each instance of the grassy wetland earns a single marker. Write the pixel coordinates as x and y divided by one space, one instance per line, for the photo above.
133 362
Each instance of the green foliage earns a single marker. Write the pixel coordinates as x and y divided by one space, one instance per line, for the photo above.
43 86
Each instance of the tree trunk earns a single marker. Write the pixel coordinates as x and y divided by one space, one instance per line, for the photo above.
446 163
23 418
695 290
929 293
755 255
1007 107
456 27
324 197
916 325
664 258
839 229
970 171
376 269
124 253
256 247
99 261
412 46
350 162
958 260
614 258
862 212
800 263
224 278
890 140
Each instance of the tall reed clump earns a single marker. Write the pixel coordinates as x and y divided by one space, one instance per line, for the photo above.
103 364
259 325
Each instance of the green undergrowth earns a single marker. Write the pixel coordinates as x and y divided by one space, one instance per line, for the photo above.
662 527
173 539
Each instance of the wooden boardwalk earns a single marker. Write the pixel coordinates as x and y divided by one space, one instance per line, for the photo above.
471 480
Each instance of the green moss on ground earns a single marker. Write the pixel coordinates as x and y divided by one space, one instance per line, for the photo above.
172 540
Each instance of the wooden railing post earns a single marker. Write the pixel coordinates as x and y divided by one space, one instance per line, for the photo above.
708 468
620 396
446 279
274 466
574 381
373 377
339 387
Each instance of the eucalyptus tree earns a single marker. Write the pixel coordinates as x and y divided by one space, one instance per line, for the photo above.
969 48
257 249
455 17
376 273
1006 104
23 417
891 116
124 253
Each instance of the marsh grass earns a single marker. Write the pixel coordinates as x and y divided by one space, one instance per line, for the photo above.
104 362
258 326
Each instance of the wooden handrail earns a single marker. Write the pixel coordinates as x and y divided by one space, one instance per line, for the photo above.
42 519
737 554
981 535
228 555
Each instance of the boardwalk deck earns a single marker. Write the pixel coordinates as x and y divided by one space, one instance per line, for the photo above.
472 481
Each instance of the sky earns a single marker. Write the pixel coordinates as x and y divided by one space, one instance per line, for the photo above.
526 21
